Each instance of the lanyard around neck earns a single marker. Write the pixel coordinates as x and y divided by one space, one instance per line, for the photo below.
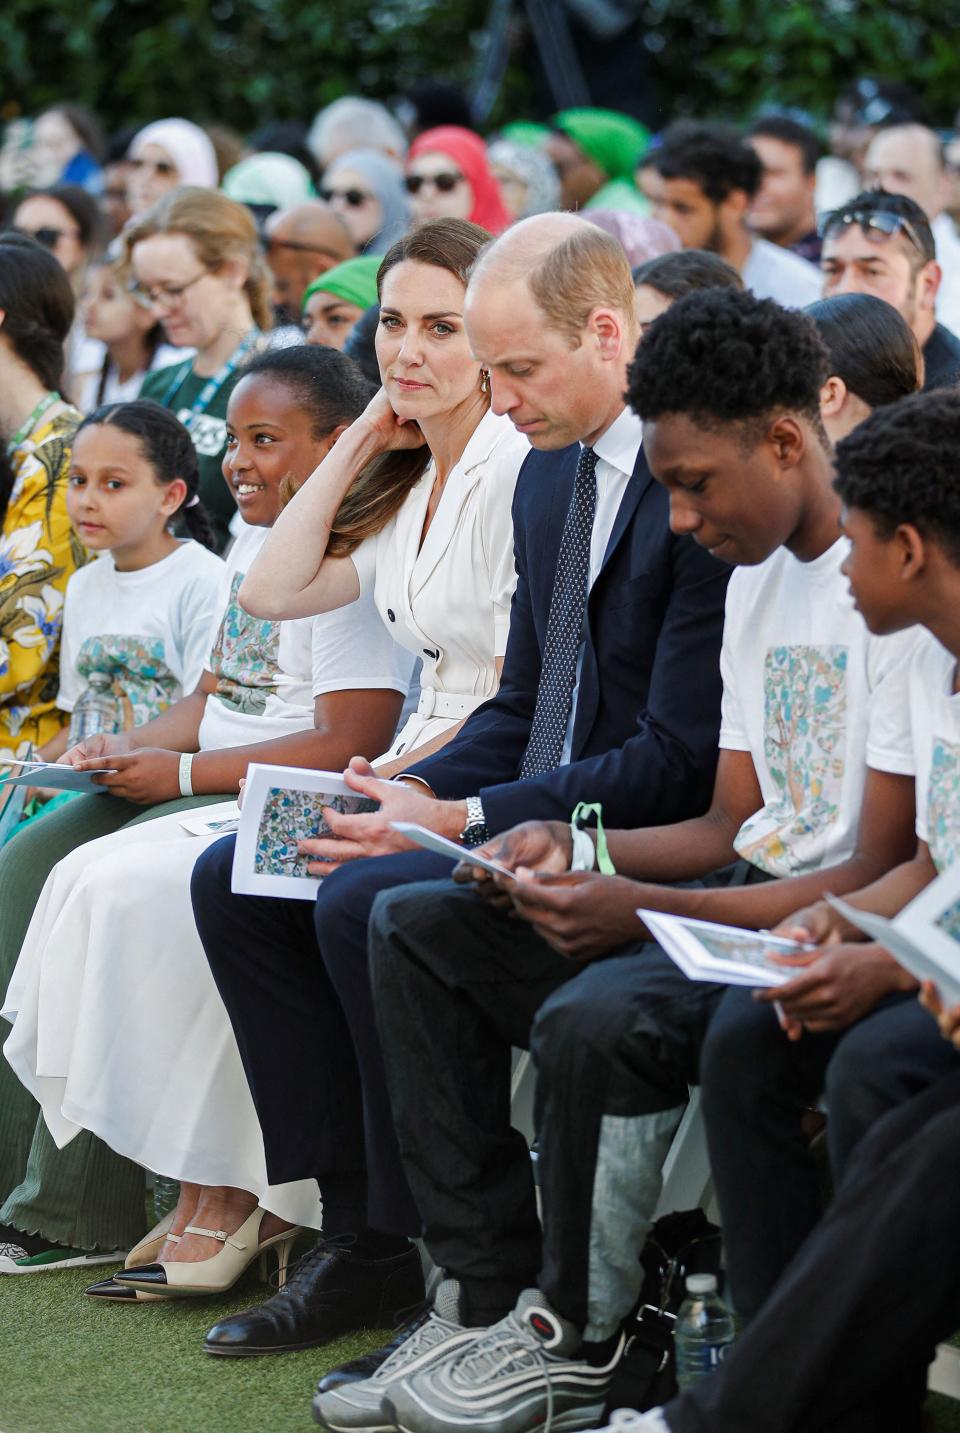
24 431
213 385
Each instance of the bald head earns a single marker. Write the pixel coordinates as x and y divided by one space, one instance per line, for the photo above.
567 264
302 243
551 314
908 159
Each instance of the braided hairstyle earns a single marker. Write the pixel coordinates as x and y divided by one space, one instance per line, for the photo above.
168 449
38 304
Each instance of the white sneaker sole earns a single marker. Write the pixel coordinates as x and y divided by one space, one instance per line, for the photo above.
85 1261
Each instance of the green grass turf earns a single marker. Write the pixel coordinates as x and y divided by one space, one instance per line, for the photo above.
70 1365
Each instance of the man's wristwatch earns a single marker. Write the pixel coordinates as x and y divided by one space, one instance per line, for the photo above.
475 831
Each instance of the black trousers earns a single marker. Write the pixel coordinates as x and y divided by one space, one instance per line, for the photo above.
616 1045
757 1086
841 1345
293 976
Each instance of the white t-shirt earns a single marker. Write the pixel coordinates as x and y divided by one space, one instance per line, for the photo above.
268 673
149 630
815 699
935 716
775 273
116 392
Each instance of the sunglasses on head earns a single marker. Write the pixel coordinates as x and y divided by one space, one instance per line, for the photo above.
443 183
877 225
354 197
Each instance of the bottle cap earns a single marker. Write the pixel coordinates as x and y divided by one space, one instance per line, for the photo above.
701 1284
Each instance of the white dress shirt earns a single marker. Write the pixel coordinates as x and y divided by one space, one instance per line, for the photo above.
774 273
616 452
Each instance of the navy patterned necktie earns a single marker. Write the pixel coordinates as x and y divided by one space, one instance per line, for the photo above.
558 667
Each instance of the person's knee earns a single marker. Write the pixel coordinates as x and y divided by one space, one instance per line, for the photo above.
742 1047
581 1020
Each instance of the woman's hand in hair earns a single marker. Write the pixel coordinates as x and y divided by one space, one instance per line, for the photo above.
392 432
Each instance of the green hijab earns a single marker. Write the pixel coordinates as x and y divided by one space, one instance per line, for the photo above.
614 141
354 281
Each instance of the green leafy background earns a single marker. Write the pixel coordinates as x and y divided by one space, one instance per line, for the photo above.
244 61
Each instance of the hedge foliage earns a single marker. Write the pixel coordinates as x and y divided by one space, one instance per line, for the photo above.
244 61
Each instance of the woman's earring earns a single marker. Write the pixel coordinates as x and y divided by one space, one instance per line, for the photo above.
484 381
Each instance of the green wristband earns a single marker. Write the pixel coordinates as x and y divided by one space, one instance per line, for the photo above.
582 812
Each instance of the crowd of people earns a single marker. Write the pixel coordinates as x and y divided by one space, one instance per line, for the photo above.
587 497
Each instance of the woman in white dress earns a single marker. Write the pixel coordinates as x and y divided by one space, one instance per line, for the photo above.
148 1061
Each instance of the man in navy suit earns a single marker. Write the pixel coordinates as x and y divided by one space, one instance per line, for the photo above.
609 693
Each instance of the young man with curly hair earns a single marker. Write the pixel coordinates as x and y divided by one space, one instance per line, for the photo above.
813 792
888 1248
702 180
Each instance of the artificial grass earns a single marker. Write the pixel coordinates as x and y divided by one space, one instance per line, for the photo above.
70 1365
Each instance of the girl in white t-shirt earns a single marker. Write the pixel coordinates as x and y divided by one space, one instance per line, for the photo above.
140 614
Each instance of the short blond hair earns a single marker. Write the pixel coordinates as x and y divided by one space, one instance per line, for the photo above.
570 270
219 229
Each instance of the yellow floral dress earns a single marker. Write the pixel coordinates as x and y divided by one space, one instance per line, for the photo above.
39 551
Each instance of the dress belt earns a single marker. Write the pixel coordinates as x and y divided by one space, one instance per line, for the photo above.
447 704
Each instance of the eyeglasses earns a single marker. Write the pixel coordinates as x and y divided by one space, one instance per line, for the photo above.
159 166
356 198
167 296
46 235
877 225
443 183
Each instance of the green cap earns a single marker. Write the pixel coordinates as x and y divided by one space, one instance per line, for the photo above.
615 142
354 281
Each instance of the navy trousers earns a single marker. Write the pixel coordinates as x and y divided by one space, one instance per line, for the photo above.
293 976
843 1342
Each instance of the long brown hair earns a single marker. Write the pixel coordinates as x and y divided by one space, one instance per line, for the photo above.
218 228
379 491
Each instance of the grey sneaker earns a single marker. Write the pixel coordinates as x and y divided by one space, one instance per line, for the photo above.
520 1376
359 1406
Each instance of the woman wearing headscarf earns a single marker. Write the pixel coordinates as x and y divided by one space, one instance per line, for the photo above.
640 238
449 177
166 154
335 301
528 181
595 153
268 181
366 189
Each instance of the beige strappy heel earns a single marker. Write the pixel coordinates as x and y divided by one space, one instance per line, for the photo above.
221 1272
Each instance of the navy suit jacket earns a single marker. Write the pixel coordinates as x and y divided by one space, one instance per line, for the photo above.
648 707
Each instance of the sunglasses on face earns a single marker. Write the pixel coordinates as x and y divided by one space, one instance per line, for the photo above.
877 225
354 197
443 183
159 166
46 234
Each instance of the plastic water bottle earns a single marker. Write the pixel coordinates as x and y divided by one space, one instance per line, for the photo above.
96 710
705 1330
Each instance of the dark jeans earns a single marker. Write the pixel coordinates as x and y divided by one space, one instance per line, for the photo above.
841 1345
293 976
757 1086
616 1046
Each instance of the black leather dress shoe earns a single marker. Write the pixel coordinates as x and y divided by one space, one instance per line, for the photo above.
356 1369
331 1291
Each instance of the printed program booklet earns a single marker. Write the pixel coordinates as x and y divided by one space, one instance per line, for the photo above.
925 937
724 954
58 776
281 806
